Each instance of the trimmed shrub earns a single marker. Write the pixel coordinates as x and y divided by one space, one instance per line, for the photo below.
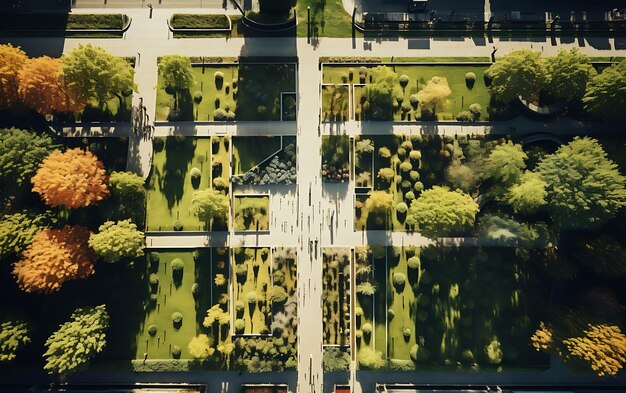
358 334
402 208
409 196
406 333
405 185
240 325
197 96
470 79
178 226
414 101
252 297
464 116
386 174
418 187
175 351
413 262
384 152
399 279
403 81
358 311
177 318
195 174
177 265
401 152
415 155
367 328
406 166
391 313
414 175
152 330
219 115
219 79
240 306
277 294
220 183
476 110
154 279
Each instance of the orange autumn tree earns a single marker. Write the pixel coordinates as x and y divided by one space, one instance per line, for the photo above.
42 87
54 257
12 60
72 179
603 347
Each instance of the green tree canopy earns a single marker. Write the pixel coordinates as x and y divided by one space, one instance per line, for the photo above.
118 240
528 195
606 93
75 342
439 212
379 202
521 72
505 164
13 334
210 203
567 74
21 152
584 187
96 74
126 185
335 359
434 96
17 231
336 150
176 72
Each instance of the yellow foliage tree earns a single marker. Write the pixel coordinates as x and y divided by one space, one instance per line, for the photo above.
42 88
72 179
542 339
603 347
12 60
434 96
200 347
54 257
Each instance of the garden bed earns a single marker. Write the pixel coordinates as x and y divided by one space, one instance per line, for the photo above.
336 152
252 272
250 151
336 296
242 91
110 25
279 168
251 213
200 21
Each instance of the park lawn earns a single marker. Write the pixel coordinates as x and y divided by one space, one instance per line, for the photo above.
256 315
171 297
220 146
400 300
249 151
169 186
335 295
110 111
255 217
460 99
336 103
329 16
246 89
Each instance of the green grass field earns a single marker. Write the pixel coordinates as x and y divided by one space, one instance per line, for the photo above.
250 91
460 99
170 190
329 16
249 151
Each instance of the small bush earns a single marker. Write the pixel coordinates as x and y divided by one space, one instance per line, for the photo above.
418 187
367 329
415 155
152 330
406 166
406 333
220 183
195 174
358 334
175 351
413 262
261 109
464 116
414 175
414 101
177 317
358 311
197 97
252 297
476 110
277 294
219 115
409 196
402 208
399 279
219 79
177 265
391 313
240 306
384 152
494 352
403 80
178 226
470 79
154 279
240 325
401 152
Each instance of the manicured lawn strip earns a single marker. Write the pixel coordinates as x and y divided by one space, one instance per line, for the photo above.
246 87
257 280
330 17
254 219
169 187
249 151
335 296
380 303
335 103
460 99
199 21
172 296
62 21
401 299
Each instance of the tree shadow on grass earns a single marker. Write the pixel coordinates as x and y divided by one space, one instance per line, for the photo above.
203 277
179 153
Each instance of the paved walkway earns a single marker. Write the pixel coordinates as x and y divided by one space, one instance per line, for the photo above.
311 215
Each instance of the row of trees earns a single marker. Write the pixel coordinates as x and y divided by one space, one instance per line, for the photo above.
58 85
568 77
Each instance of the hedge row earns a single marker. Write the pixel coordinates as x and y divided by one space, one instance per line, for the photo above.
63 21
198 21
